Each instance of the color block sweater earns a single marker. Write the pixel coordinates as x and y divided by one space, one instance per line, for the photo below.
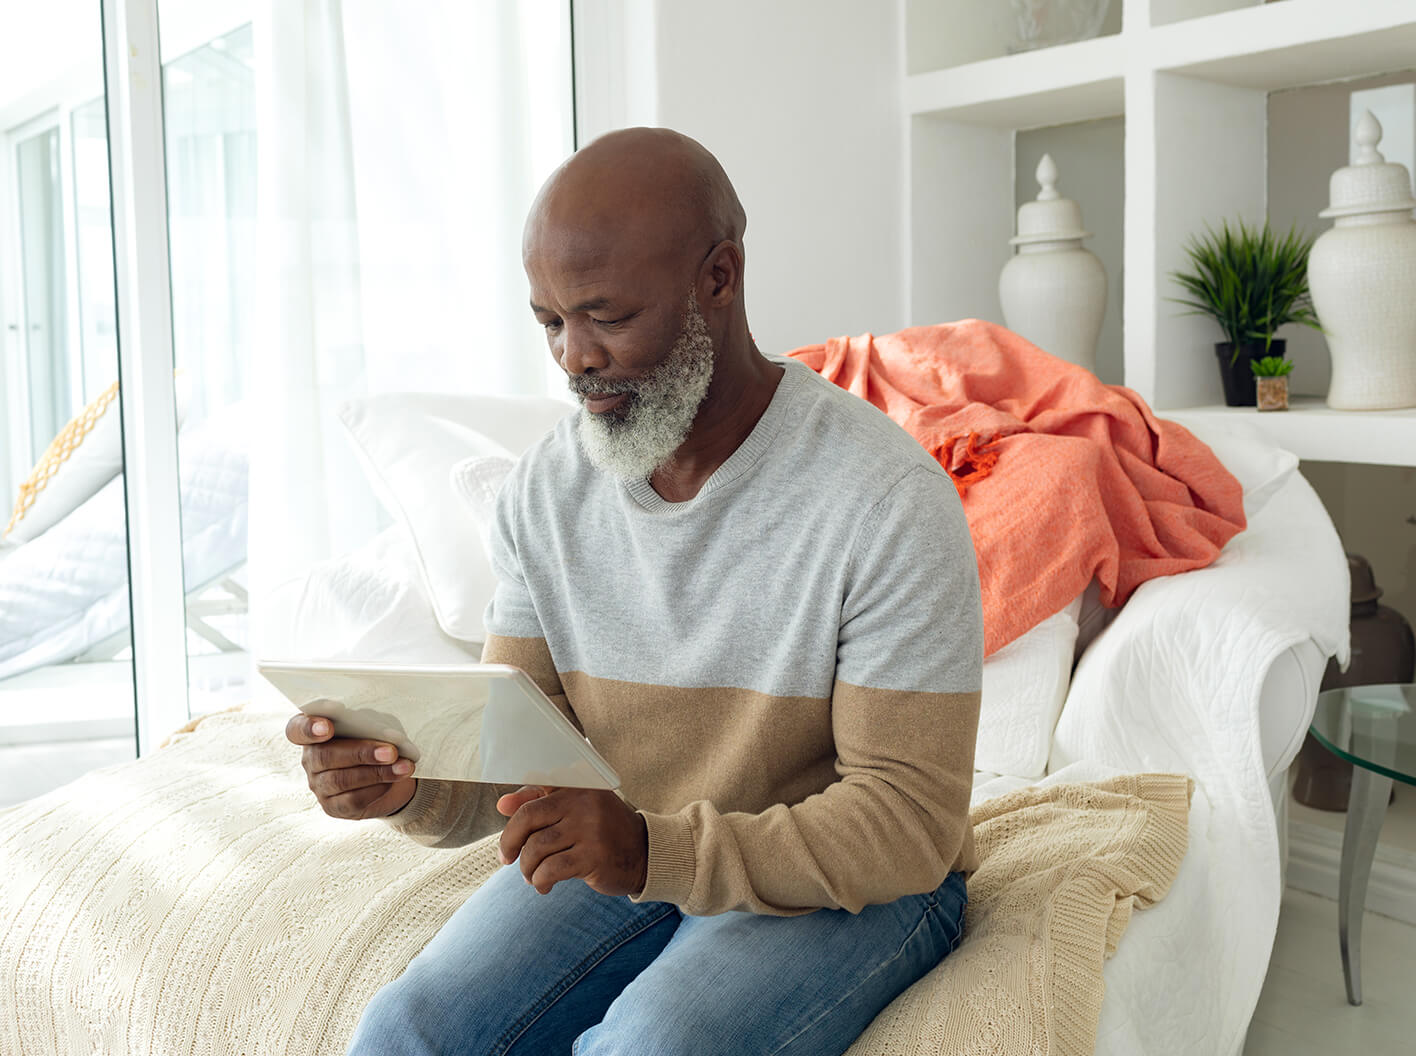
784 670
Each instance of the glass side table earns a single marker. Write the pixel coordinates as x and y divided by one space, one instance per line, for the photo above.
1374 728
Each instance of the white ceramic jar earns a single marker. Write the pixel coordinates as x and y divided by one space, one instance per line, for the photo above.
1362 274
1054 291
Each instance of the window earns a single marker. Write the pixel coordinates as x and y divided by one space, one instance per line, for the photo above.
335 196
66 677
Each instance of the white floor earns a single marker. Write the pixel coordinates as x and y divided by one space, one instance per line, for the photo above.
1304 1011
1398 827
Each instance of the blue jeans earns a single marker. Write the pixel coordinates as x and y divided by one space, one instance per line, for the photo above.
574 971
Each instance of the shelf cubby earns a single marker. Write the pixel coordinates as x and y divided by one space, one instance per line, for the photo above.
1191 81
1289 44
1052 86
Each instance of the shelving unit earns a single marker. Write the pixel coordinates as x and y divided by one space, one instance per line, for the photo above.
1193 95
1314 431
1053 86
1289 44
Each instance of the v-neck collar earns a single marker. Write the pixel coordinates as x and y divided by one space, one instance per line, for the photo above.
748 453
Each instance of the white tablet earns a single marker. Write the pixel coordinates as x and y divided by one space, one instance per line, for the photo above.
470 722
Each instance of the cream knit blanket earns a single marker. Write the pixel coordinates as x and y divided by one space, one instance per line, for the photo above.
199 902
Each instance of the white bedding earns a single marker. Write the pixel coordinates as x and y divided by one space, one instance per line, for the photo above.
67 589
1173 685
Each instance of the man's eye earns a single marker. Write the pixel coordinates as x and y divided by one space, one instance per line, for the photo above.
553 325
608 322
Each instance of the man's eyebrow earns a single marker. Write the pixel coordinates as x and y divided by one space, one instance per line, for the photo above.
583 306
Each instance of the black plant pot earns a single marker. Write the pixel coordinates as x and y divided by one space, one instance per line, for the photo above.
1238 378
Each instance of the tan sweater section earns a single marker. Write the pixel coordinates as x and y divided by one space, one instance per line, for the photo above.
752 802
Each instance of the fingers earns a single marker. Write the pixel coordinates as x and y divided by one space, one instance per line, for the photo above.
564 865
583 833
537 812
308 729
512 801
372 801
540 846
351 777
347 751
330 783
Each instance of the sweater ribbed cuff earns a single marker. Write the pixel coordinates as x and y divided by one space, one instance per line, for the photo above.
673 863
425 812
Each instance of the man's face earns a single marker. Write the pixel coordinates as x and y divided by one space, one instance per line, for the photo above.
639 358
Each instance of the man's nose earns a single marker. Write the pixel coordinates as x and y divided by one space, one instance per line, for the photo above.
580 351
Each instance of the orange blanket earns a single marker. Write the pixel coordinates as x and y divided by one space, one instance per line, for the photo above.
1063 478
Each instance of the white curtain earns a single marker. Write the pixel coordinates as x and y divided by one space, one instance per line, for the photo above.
399 146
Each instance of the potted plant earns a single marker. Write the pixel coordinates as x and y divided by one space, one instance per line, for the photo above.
1251 282
1271 378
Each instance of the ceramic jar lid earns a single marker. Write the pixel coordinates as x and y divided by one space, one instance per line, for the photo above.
1051 218
1371 184
1364 584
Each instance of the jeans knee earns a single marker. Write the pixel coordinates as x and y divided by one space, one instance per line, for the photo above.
408 1019
687 1032
388 1025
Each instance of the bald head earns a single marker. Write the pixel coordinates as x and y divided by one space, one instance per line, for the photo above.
640 190
633 250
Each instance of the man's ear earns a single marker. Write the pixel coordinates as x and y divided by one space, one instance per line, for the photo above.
723 270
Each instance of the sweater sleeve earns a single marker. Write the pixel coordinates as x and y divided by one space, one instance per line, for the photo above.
454 813
904 717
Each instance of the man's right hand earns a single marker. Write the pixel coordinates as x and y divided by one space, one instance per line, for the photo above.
351 777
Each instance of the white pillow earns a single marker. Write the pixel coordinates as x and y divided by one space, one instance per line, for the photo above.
1024 687
477 481
1257 463
86 455
366 605
409 444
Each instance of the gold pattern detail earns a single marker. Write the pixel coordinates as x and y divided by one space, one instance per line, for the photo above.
58 452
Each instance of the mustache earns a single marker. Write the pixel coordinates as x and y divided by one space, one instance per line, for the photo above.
587 385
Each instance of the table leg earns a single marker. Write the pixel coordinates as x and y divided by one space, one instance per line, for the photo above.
1366 809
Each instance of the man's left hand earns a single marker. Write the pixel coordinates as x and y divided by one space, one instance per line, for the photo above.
561 833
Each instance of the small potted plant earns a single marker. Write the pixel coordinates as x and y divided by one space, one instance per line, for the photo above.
1271 378
1251 282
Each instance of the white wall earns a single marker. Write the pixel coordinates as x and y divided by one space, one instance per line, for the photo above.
801 102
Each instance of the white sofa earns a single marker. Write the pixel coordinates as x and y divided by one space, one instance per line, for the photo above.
1232 656
1213 673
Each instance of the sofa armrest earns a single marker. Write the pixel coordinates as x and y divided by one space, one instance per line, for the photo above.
1286 703
1177 681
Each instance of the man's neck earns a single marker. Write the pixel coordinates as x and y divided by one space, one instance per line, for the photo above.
735 403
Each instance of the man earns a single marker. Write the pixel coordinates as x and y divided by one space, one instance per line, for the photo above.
757 597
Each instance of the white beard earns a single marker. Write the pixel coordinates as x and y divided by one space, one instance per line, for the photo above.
661 406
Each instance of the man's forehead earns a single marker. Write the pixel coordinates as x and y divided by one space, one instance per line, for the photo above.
582 247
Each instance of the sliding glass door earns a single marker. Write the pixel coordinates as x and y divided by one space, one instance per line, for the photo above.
209 133
41 243
218 223
66 673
